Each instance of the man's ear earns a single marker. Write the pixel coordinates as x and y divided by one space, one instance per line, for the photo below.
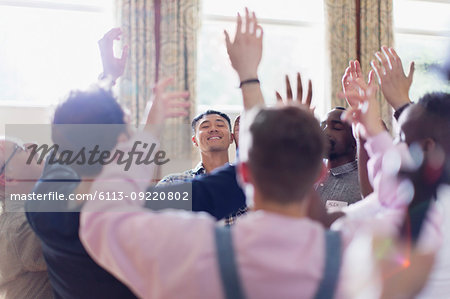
194 140
243 173
231 138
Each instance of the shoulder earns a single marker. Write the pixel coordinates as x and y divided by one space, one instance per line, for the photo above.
227 172
13 221
186 176
57 178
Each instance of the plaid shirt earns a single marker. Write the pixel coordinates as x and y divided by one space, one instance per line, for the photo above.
186 176
230 220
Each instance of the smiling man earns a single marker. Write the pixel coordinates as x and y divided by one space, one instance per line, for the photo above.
212 136
341 187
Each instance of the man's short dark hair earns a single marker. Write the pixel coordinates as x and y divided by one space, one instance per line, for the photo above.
208 112
95 106
285 153
436 117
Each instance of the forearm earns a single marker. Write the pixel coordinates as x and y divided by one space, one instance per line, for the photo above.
252 95
383 158
399 110
396 101
363 176
376 147
109 230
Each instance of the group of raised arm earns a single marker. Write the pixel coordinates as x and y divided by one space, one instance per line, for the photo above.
285 244
388 164
100 230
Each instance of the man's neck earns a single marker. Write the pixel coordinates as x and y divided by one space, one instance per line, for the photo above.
339 161
213 160
296 209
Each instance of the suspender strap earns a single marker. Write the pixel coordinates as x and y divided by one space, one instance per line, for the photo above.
227 264
327 286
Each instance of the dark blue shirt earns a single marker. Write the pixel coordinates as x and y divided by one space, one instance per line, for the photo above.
218 193
72 272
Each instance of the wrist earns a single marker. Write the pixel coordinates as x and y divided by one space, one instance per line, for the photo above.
399 102
374 130
254 80
244 76
400 109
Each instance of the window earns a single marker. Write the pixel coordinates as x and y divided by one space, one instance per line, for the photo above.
293 41
422 35
50 47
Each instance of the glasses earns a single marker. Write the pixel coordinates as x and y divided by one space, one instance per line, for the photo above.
16 147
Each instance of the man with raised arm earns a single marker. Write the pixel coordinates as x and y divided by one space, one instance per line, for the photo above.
425 124
219 193
72 272
276 251
421 129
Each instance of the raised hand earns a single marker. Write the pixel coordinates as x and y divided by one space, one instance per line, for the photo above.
364 109
352 72
299 97
394 83
245 51
166 104
113 67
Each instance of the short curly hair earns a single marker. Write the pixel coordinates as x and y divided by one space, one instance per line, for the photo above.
94 106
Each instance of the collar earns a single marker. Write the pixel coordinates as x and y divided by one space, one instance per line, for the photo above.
343 169
199 169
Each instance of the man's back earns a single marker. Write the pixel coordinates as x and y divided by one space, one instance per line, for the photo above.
275 260
72 272
277 256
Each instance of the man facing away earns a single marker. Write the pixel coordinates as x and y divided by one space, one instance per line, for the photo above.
263 241
274 252
341 187
212 136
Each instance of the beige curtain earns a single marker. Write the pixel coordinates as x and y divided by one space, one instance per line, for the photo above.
341 36
356 30
162 35
376 31
137 20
